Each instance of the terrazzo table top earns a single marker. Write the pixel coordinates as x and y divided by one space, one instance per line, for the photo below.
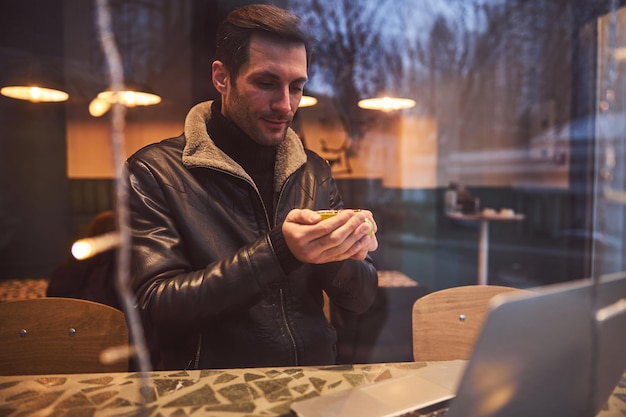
220 393
233 392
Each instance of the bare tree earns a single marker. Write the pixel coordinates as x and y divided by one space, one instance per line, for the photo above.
354 52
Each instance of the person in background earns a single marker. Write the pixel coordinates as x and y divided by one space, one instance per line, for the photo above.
93 278
230 255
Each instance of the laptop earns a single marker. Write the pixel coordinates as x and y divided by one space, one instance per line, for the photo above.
556 352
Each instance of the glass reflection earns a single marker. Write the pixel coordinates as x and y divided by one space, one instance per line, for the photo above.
519 102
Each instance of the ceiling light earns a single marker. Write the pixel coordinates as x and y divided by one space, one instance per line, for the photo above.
129 97
386 103
34 94
307 101
36 80
98 107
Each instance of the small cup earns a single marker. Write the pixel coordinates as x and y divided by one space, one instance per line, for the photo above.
327 214
507 212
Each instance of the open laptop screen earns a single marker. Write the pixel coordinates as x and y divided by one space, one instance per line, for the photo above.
546 354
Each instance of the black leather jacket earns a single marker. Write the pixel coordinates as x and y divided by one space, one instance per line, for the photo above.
209 287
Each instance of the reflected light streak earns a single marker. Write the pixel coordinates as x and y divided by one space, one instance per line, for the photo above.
620 53
612 310
91 246
496 386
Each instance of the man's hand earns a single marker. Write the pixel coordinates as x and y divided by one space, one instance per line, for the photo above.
349 234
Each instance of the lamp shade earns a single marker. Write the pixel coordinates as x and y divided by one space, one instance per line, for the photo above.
130 96
35 81
307 101
34 93
386 103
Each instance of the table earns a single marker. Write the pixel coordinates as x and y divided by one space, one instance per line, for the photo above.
483 240
218 393
228 392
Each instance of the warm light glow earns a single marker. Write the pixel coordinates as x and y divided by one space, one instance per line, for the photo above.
307 101
130 98
34 94
620 54
98 107
91 246
81 249
386 103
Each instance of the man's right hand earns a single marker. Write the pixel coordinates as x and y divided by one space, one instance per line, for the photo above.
349 234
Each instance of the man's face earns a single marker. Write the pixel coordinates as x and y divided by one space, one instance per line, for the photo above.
264 98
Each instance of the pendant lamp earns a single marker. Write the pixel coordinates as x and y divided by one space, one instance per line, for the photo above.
34 93
307 101
386 104
36 83
131 95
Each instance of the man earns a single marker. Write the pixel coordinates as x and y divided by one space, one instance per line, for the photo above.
230 255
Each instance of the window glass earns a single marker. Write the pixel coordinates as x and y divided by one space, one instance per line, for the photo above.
517 105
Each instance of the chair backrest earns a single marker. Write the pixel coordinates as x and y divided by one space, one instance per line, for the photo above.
447 322
59 336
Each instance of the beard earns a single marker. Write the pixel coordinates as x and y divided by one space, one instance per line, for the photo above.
253 122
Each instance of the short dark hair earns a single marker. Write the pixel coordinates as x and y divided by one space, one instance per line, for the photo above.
235 32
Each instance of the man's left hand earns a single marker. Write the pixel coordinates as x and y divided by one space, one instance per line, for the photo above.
347 235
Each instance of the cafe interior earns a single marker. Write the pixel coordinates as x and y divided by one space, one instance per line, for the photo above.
487 138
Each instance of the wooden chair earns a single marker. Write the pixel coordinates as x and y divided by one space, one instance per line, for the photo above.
59 336
446 323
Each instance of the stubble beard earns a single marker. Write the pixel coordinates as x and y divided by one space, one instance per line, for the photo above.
248 121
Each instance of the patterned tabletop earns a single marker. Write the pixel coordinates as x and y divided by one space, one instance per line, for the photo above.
218 393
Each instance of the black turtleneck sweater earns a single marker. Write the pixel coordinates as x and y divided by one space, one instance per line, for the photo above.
258 161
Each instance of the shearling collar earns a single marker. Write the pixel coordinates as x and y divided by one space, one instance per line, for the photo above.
201 151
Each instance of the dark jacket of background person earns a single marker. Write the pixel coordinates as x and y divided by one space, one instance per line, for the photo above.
92 278
201 231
